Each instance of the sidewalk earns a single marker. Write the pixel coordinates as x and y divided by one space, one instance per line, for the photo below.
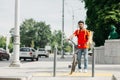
44 70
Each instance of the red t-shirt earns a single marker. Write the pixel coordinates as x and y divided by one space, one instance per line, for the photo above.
82 36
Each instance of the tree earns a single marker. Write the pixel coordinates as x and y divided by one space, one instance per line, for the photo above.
34 33
42 34
56 40
67 47
27 32
100 15
2 42
38 35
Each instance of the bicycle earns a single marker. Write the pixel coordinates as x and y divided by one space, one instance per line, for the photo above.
74 62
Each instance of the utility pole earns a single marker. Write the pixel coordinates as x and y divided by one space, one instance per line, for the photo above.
16 47
73 19
73 47
62 42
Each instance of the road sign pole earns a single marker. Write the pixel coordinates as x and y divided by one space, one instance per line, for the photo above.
62 41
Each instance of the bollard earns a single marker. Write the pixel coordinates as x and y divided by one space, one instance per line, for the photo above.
93 64
55 59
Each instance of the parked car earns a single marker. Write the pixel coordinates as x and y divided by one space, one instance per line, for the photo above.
4 54
43 52
28 53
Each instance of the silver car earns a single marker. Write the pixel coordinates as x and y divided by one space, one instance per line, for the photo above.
43 52
28 53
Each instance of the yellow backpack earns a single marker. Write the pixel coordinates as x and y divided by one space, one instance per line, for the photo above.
91 43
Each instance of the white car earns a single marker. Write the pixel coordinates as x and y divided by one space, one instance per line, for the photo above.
28 53
43 52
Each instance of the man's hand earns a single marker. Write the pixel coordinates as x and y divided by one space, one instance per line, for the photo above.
70 37
67 39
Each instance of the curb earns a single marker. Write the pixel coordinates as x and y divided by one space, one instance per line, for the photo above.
15 77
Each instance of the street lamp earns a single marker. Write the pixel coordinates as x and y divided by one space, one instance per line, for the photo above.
16 48
62 42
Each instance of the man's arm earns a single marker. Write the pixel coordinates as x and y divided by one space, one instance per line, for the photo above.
73 35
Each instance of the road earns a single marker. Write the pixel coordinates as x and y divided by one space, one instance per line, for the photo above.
4 63
68 58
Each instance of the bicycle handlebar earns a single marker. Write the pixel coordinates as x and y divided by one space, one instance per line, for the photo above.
73 43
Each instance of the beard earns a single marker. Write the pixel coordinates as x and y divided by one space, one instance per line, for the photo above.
81 27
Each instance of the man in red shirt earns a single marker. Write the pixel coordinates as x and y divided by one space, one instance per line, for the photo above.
82 35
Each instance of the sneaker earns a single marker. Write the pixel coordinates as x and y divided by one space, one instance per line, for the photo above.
85 70
80 70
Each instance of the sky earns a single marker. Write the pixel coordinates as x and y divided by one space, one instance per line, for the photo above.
49 11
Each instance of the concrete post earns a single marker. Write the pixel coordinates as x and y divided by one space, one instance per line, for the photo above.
55 60
93 64
16 62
